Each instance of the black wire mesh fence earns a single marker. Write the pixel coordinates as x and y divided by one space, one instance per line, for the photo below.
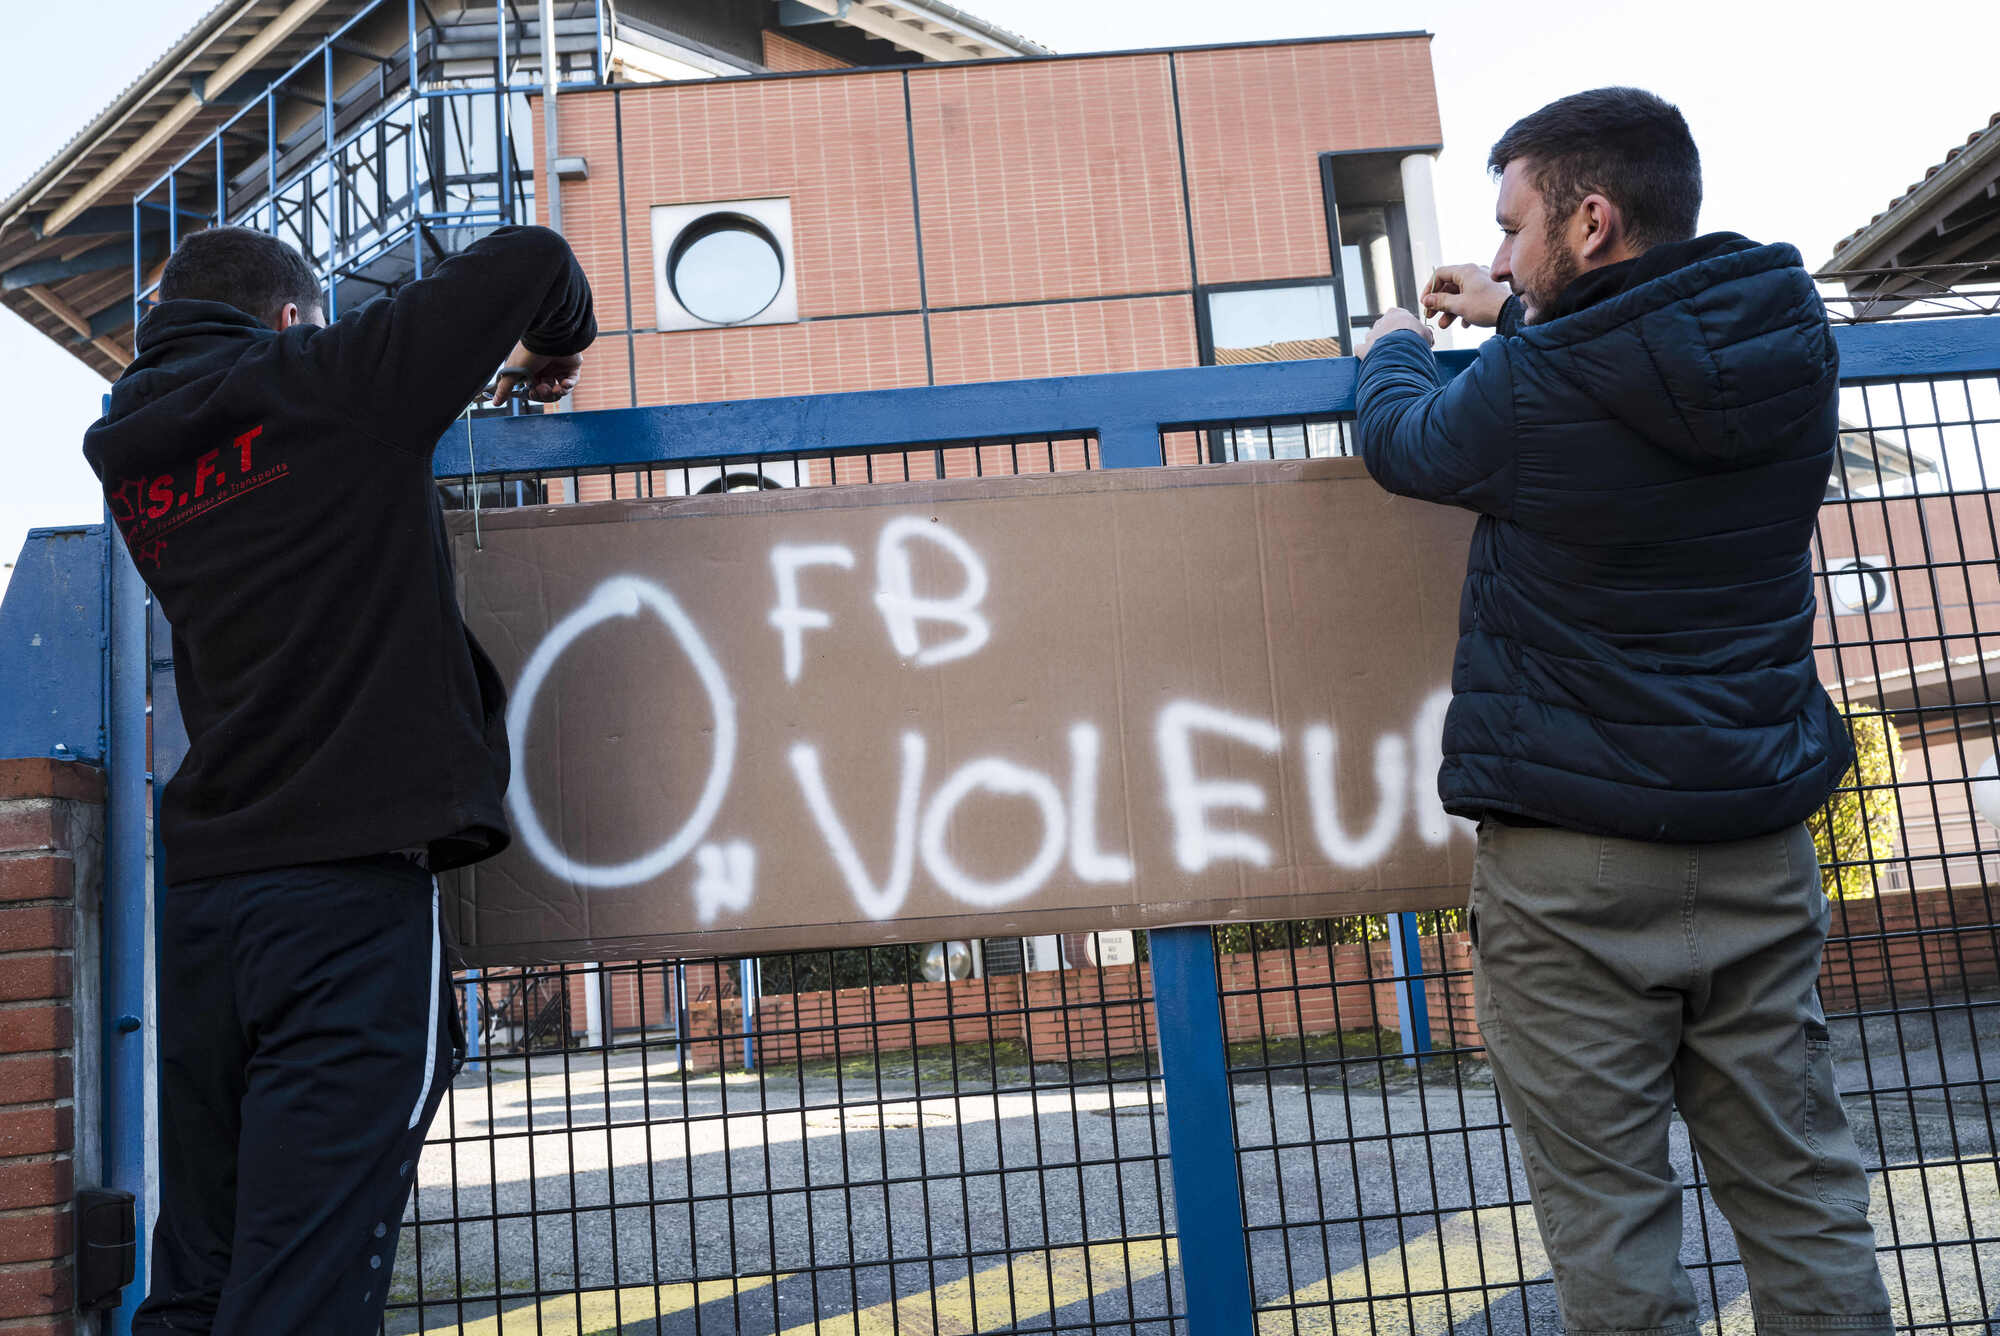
836 1142
895 1154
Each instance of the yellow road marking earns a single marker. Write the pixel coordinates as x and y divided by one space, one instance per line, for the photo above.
1942 1205
594 1311
1027 1286
1472 1248
1921 1205
1932 1208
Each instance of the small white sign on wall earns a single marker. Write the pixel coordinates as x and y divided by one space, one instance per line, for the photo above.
1113 948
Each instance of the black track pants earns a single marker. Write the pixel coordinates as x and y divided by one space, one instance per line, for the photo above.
307 1035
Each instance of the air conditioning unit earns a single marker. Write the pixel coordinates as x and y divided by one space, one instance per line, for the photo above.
1857 585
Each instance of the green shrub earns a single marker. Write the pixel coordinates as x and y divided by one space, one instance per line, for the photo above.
1857 828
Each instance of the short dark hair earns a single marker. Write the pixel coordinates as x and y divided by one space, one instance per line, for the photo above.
1623 143
252 271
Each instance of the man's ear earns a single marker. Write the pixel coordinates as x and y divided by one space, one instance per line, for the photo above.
290 314
1599 231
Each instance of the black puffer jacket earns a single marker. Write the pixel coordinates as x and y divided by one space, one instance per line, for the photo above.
1635 636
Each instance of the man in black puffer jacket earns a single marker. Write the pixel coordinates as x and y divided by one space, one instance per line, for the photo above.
1636 722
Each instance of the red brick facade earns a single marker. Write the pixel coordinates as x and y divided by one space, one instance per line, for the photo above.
50 836
785 56
1051 197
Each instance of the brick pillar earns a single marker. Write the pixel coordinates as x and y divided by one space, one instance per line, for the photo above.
51 836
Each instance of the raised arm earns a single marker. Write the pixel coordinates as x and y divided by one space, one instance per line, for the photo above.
406 365
1453 442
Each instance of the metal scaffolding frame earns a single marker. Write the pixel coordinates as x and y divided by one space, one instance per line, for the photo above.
375 166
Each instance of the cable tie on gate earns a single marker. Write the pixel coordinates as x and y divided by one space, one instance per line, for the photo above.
471 465
472 472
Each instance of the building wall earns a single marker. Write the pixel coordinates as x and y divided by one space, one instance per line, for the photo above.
1929 656
1066 209
785 56
1943 553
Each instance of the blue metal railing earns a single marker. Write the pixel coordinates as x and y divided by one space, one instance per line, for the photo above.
1127 414
1126 411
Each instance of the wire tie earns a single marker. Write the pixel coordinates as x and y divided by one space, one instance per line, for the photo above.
472 473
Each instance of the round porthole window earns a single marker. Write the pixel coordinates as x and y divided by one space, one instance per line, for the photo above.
726 269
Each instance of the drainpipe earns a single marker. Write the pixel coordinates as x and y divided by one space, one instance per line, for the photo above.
551 181
128 1163
551 76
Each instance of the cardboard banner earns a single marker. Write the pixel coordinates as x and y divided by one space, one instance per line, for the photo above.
848 716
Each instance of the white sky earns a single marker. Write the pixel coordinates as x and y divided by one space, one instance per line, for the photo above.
1810 118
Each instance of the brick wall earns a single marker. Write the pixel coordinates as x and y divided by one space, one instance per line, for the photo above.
1051 190
50 839
1282 994
1075 1015
1900 947
1256 120
786 56
813 1026
1905 947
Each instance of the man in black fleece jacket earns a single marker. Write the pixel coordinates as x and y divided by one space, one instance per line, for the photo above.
271 476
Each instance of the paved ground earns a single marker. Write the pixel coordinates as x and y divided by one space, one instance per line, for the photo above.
815 1190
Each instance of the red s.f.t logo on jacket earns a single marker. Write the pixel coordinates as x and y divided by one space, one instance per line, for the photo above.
148 509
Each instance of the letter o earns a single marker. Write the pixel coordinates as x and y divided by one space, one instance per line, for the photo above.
620 596
1009 781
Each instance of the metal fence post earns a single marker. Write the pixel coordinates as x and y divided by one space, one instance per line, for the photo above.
474 1049
1194 1064
1413 1003
125 906
1201 1133
748 991
1128 445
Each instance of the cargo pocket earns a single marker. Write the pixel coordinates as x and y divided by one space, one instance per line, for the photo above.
1838 1178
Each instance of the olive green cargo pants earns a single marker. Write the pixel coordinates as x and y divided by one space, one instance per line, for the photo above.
1618 980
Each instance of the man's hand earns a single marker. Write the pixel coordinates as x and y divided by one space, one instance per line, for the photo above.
536 376
1466 293
1393 319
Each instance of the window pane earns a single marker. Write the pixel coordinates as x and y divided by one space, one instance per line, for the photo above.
1274 324
728 275
1354 274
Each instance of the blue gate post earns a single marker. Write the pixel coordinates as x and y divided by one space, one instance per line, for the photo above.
472 1022
1201 1132
1194 1065
747 989
125 905
1413 1003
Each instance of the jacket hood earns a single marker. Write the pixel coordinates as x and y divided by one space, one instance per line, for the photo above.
186 350
181 341
1718 360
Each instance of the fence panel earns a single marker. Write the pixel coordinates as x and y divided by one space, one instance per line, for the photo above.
883 1152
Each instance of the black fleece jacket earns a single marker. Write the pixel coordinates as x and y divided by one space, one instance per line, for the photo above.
276 492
